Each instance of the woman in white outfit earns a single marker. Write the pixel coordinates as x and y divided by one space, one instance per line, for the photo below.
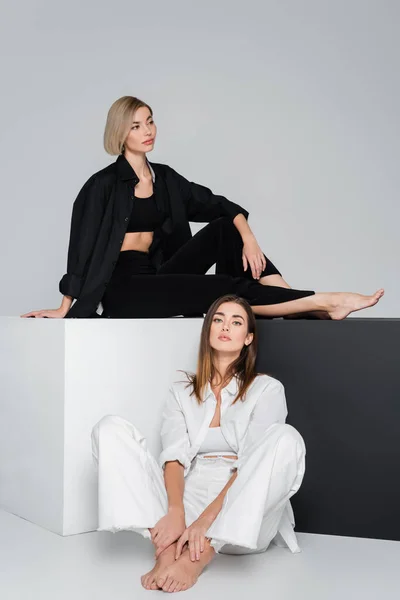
229 463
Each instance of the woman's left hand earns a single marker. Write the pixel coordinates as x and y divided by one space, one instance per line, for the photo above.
195 537
253 256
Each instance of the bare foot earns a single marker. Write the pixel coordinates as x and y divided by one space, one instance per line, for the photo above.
341 304
184 573
166 558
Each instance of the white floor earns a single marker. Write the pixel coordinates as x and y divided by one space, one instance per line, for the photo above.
38 565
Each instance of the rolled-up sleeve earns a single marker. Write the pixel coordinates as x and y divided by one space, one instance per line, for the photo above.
87 212
270 408
174 435
202 205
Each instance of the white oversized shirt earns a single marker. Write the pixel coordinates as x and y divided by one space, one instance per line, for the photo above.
185 422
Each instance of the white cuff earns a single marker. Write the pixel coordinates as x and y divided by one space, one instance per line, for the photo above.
170 454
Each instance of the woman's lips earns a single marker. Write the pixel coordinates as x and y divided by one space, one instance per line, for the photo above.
148 142
224 338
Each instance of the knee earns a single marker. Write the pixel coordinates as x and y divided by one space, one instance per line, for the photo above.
113 429
108 426
289 440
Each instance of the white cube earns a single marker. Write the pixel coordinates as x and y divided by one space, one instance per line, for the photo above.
57 379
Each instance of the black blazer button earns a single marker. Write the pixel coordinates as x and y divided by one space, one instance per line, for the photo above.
126 219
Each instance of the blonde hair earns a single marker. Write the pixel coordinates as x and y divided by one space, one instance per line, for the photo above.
119 122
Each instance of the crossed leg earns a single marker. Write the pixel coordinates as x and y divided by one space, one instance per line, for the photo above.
183 573
151 580
278 281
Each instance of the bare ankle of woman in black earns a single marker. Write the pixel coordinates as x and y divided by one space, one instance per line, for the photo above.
278 281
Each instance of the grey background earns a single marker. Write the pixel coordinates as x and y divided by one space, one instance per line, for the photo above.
287 107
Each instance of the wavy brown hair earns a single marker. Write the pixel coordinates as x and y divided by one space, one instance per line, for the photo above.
243 367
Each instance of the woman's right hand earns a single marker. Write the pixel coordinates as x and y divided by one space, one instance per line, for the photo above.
52 313
168 529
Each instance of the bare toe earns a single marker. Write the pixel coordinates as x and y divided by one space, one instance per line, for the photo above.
167 583
160 581
159 571
154 586
172 586
148 581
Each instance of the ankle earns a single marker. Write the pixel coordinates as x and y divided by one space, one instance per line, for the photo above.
171 549
322 300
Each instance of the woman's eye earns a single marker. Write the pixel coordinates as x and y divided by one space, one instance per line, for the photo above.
237 323
135 127
217 320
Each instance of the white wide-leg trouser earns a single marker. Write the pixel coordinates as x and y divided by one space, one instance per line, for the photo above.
256 509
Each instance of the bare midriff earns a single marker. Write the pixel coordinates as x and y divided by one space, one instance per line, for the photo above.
138 240
232 457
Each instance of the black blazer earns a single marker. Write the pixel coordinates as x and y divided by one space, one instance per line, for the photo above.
100 218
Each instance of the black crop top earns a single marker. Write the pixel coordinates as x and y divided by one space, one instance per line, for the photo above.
145 215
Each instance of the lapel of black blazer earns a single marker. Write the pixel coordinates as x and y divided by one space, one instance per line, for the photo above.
163 200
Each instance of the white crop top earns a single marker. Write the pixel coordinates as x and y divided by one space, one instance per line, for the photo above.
214 442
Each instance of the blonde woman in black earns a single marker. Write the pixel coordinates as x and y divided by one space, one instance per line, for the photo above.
131 247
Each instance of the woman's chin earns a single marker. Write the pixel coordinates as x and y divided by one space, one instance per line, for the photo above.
148 147
219 346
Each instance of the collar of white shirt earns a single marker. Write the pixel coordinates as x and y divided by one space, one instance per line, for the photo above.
232 388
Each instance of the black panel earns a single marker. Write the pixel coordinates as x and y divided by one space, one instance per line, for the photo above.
343 393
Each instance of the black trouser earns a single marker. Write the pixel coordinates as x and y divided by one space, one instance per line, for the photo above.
180 286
